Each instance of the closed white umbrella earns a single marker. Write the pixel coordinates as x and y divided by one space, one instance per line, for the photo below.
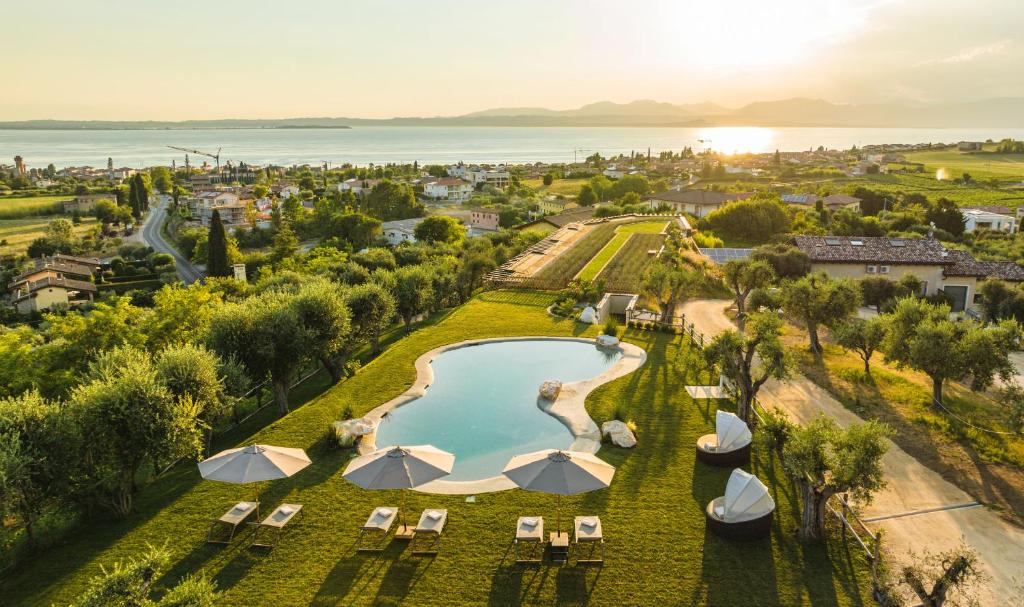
559 473
399 468
253 464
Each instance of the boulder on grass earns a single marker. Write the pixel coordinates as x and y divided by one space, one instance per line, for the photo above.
349 431
589 315
607 340
619 433
550 389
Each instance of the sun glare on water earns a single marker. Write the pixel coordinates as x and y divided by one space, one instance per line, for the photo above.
737 139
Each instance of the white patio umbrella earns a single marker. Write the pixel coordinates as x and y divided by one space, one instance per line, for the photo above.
560 473
253 464
399 468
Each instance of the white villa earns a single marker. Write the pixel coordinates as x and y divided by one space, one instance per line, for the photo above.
998 219
449 188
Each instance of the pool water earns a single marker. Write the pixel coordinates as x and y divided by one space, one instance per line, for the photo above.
482 404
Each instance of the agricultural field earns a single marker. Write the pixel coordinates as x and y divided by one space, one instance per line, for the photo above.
21 208
981 165
566 266
622 234
569 188
627 267
925 183
16 234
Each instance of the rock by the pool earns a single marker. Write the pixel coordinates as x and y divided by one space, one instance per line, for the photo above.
607 340
348 431
550 389
619 433
589 315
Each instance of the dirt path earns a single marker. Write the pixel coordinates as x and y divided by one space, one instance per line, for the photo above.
912 487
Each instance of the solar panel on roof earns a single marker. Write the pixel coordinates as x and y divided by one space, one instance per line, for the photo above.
833 242
857 243
720 256
897 242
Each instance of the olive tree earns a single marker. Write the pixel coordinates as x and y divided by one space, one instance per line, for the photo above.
667 284
818 300
921 336
131 584
193 372
324 318
414 292
863 336
750 358
39 443
372 308
743 277
131 419
824 459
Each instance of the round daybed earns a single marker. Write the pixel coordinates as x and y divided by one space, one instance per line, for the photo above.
744 512
729 446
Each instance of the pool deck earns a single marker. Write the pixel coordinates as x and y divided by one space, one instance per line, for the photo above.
569 407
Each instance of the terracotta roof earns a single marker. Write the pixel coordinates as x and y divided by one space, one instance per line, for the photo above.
873 249
699 197
965 265
72 285
55 266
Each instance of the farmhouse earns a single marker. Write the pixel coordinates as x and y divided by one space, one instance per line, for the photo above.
952 272
832 202
83 203
695 202
49 293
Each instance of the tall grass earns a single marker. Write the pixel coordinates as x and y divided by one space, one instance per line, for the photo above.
21 208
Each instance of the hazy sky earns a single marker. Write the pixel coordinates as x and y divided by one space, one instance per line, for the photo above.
183 59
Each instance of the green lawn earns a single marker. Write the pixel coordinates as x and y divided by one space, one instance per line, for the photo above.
570 188
13 208
622 234
981 165
18 233
657 548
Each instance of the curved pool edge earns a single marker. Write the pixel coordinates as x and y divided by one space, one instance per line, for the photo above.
569 408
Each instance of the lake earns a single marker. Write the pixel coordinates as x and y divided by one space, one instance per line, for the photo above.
402 144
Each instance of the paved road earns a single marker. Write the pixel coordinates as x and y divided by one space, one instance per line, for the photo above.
918 509
151 235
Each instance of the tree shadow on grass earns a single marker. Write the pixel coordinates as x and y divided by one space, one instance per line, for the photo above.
400 578
735 572
344 578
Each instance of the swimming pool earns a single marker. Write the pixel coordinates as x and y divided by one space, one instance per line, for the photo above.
482 403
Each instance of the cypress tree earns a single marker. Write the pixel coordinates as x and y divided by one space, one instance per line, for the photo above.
217 248
133 197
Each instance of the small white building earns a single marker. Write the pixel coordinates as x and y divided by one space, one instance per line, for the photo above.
401 230
457 170
498 177
613 172
981 219
359 187
449 188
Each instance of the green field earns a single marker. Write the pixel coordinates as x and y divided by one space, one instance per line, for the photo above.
19 208
16 234
653 514
570 188
622 234
627 267
981 165
925 183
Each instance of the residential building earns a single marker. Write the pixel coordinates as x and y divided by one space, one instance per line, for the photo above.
484 219
695 202
952 272
285 190
457 170
969 146
981 219
50 292
83 203
613 172
449 188
231 207
359 187
498 177
399 231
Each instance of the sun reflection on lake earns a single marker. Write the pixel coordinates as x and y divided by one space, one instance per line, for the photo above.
737 139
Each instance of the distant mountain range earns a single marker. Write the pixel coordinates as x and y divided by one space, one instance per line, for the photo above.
1007 112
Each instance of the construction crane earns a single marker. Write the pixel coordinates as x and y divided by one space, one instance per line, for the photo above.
577 151
216 157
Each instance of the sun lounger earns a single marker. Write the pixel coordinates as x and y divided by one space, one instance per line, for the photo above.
589 538
529 542
427 534
377 526
232 519
275 524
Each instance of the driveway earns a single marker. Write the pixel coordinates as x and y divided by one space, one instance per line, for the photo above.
151 235
918 509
